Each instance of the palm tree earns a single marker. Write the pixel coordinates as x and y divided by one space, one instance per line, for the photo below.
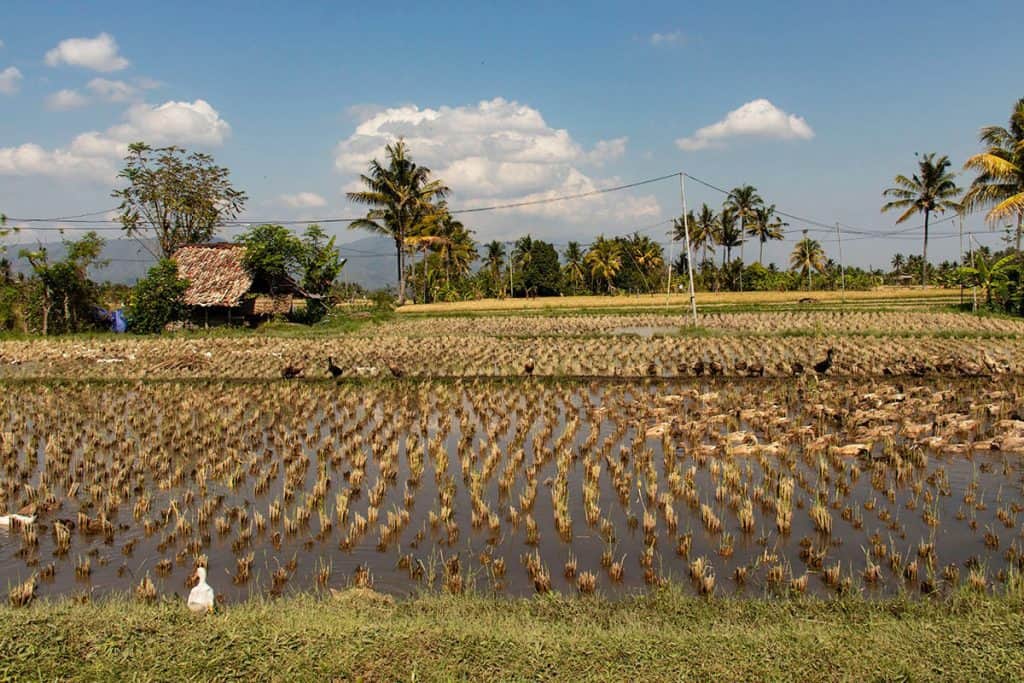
729 234
574 265
646 253
457 248
522 254
990 276
494 260
708 224
930 189
807 255
401 196
1000 181
604 259
745 201
765 226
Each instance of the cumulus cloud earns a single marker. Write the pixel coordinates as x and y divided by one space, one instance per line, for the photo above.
112 91
495 150
62 100
99 53
173 122
608 150
665 39
758 118
303 200
96 155
10 80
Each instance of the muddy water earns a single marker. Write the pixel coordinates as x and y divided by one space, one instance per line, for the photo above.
101 428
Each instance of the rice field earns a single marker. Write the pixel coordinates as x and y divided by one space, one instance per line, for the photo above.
521 455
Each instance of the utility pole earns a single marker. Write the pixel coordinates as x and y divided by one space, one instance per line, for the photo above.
668 283
689 258
974 287
842 268
961 255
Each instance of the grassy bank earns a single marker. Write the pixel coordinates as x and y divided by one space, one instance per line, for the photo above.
661 636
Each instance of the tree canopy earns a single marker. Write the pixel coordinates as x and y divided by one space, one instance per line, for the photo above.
181 196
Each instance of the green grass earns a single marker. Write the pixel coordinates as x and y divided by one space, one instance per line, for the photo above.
664 635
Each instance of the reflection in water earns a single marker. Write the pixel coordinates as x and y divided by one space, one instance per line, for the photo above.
289 486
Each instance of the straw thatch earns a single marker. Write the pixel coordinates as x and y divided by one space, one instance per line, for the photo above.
215 274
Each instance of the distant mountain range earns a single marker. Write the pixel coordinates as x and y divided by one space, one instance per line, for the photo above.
371 260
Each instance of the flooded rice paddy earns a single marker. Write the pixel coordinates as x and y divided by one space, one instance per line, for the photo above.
756 486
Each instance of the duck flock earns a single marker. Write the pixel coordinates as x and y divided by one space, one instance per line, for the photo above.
754 460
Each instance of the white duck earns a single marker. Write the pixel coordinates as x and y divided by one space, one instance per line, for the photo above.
7 520
200 599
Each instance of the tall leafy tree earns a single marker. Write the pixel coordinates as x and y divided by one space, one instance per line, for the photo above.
807 256
65 295
766 226
320 261
604 259
929 190
539 273
272 255
181 196
401 197
1000 181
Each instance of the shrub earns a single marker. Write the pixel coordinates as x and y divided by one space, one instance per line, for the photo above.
157 299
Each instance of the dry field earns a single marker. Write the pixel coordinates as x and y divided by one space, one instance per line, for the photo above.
636 345
881 296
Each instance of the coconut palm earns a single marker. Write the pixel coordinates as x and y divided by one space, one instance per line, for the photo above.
1000 181
647 253
574 264
604 259
456 247
930 189
493 262
708 224
765 226
729 234
807 255
401 198
745 201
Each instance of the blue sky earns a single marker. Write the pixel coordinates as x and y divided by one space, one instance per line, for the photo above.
520 101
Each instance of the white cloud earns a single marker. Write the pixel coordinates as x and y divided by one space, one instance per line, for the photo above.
173 122
99 53
665 39
607 150
10 80
31 159
96 155
112 91
62 100
302 200
757 118
494 151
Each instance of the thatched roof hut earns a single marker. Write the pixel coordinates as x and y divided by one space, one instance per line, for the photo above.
215 273
218 280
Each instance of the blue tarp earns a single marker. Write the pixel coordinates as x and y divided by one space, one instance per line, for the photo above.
115 319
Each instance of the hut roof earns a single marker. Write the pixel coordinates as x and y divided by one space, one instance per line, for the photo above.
215 274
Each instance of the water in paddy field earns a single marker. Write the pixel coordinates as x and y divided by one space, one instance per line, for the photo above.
915 478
